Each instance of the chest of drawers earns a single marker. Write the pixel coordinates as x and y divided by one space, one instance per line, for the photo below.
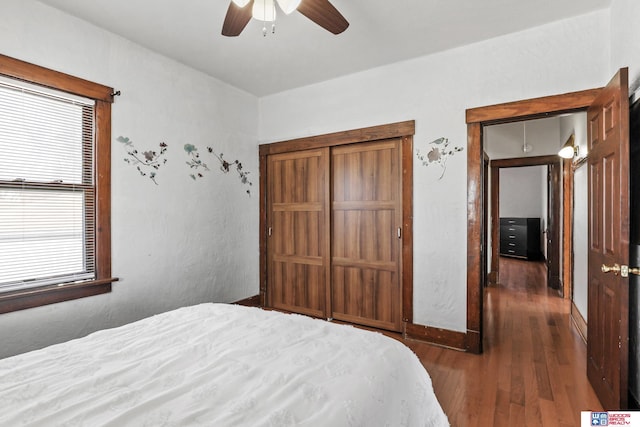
520 237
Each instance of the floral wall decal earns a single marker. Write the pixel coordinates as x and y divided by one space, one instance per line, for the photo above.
226 166
147 162
195 162
199 166
439 152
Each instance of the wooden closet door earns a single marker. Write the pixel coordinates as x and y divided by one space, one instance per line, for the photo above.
366 234
298 218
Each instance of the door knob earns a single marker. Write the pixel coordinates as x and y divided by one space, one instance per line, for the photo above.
635 271
625 270
615 268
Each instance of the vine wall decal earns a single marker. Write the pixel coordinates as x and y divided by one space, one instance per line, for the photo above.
225 167
196 163
147 162
438 154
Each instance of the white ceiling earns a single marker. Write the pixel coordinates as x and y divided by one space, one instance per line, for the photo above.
505 141
301 53
544 136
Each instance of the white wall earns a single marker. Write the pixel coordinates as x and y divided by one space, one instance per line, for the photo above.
435 90
522 192
180 242
183 242
625 39
580 240
576 124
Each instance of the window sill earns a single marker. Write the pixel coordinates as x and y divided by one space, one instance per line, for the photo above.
35 297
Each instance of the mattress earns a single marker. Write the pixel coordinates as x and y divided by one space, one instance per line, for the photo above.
220 365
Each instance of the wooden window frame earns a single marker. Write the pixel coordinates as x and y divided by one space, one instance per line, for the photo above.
103 96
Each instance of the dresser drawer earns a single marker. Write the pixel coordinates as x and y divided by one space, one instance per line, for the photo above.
513 232
514 252
513 248
506 243
520 237
513 221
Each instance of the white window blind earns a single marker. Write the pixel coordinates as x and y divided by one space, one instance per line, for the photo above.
47 193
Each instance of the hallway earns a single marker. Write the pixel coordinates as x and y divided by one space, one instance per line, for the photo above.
533 369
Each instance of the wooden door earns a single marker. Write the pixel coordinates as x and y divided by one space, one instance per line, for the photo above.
366 234
608 305
298 236
553 225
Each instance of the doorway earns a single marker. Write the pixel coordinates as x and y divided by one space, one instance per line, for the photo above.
541 204
608 219
526 183
477 119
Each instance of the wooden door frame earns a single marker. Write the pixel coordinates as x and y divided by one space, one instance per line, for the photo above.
476 119
486 201
496 165
402 130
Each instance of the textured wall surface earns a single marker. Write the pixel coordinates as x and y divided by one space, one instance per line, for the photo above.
186 241
435 90
576 124
522 193
179 242
580 240
625 39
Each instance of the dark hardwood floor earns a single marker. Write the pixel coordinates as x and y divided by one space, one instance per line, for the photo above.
533 369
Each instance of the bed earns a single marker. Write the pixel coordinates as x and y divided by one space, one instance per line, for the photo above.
220 365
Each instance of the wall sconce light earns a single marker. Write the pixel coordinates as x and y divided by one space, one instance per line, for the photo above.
569 149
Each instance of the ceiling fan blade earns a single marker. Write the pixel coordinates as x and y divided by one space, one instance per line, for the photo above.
237 18
324 14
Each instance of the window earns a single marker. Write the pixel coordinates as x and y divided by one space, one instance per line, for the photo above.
55 137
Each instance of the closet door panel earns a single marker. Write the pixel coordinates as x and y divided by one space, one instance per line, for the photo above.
366 215
299 289
296 247
362 296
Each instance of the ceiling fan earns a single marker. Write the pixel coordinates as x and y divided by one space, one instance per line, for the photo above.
321 12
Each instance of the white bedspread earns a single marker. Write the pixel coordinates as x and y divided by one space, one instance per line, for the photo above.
220 365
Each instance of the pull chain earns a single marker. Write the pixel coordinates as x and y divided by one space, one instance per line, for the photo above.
273 25
264 23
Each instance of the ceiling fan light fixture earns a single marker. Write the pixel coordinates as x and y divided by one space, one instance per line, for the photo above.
264 10
241 3
288 6
321 12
